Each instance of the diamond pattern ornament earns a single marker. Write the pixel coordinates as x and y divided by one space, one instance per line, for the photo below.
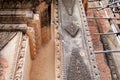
69 5
72 29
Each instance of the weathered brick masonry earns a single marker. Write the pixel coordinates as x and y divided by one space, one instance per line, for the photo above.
102 65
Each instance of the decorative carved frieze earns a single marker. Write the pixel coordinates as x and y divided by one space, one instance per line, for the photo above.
21 60
13 27
18 4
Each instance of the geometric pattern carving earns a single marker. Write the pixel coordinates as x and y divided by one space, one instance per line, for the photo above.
72 29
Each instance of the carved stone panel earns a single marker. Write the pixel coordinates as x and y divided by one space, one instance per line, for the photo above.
72 29
77 69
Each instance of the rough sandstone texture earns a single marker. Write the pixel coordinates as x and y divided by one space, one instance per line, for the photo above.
102 65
